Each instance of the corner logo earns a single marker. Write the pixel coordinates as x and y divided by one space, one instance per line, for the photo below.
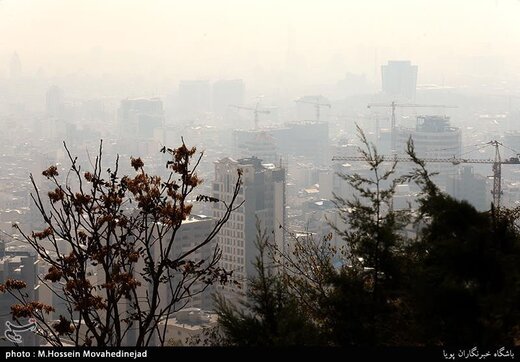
11 333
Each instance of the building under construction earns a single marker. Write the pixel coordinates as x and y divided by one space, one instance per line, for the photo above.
433 137
307 139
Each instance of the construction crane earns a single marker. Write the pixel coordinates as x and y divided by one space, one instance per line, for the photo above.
255 110
394 105
497 166
316 104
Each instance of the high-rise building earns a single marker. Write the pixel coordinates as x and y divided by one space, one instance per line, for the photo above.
470 187
263 196
192 232
19 264
226 93
138 118
399 79
433 137
257 143
307 139
512 140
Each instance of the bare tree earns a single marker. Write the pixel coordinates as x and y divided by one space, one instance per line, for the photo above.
122 274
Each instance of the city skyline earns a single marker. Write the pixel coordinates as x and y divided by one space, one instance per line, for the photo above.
260 173
154 39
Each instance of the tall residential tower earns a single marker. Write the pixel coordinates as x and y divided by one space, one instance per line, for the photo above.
263 196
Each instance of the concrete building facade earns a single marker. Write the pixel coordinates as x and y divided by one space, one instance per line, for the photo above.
262 195
471 187
399 79
433 138
138 118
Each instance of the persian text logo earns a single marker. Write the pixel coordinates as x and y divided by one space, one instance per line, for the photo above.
12 330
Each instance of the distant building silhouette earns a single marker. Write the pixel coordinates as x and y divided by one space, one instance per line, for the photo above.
433 137
399 79
258 143
512 140
307 139
139 117
21 264
470 187
193 232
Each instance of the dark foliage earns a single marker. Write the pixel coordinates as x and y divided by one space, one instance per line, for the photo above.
456 283
271 316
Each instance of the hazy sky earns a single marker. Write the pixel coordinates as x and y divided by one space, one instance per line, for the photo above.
317 39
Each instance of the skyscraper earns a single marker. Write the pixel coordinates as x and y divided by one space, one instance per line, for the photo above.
139 117
471 187
181 288
17 263
193 231
263 194
307 139
399 79
433 137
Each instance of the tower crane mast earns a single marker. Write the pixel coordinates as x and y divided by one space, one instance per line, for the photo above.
255 110
317 104
394 105
496 166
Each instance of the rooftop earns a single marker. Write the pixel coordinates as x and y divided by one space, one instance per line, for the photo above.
433 124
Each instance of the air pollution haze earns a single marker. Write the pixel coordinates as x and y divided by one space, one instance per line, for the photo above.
259 173
264 42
